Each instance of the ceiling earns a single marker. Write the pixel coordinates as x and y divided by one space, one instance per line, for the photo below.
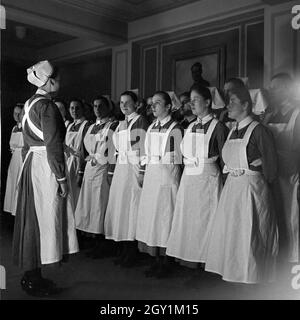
126 10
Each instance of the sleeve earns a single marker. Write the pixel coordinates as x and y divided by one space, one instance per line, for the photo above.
175 140
82 151
54 133
219 138
112 158
266 146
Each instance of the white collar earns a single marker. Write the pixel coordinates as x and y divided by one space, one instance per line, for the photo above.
42 92
101 121
77 121
245 122
163 121
131 116
205 119
19 125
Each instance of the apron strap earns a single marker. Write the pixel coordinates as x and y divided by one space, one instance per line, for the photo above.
26 117
165 138
208 134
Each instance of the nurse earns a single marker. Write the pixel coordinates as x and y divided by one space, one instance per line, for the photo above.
73 146
93 197
44 225
243 243
121 214
201 182
162 177
284 122
16 143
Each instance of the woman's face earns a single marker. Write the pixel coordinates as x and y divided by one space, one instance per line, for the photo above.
127 105
235 107
101 110
76 111
199 105
186 106
55 84
17 114
159 107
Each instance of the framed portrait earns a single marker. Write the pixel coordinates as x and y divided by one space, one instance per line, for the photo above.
212 64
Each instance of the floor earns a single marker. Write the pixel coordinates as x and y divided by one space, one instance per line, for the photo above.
90 279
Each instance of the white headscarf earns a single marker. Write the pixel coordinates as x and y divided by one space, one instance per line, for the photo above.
39 74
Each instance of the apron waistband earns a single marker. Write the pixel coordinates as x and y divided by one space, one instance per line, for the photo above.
240 172
37 148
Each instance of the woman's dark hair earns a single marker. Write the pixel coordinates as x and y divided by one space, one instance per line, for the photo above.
244 96
108 103
102 98
237 83
166 97
131 94
204 92
74 99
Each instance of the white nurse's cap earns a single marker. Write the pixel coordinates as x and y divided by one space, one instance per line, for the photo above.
39 74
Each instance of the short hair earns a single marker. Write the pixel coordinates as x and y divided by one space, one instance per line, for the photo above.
244 96
131 94
237 82
166 97
74 99
197 64
185 94
99 97
204 92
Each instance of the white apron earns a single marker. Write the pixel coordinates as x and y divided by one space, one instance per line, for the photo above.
288 183
243 241
197 198
55 215
159 192
16 143
93 197
124 195
73 142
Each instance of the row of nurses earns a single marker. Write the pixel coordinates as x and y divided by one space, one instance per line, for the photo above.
16 144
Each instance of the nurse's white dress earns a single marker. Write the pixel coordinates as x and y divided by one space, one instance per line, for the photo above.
244 240
160 186
93 197
197 197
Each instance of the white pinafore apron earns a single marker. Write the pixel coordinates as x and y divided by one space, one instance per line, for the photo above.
93 197
124 195
159 192
197 198
16 143
243 243
73 142
288 183
54 214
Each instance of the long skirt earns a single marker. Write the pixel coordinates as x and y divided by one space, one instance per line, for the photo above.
93 199
195 208
244 239
124 196
45 225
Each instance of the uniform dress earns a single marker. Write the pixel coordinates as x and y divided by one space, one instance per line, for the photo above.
74 139
160 185
285 126
185 122
124 195
93 197
244 240
199 190
16 143
44 224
